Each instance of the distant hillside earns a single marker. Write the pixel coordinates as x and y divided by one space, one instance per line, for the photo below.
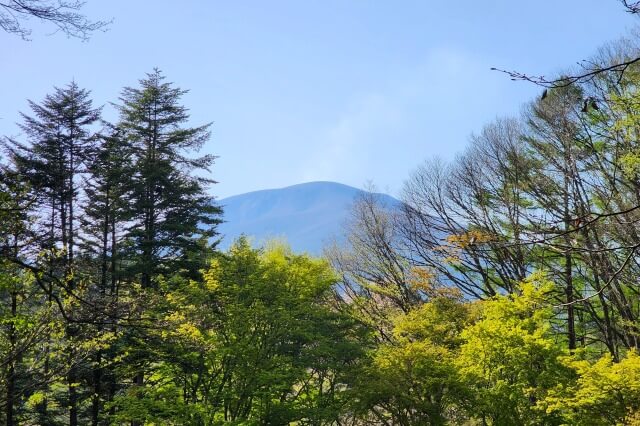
308 215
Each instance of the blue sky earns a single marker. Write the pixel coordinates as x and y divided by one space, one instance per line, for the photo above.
342 90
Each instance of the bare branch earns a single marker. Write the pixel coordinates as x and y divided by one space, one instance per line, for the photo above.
590 72
632 7
607 284
63 14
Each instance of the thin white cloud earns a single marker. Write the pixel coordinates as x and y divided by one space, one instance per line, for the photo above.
407 115
347 139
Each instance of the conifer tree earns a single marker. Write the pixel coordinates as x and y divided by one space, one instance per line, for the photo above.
103 225
60 136
169 209
170 217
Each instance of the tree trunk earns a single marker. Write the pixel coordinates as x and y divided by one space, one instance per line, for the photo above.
11 373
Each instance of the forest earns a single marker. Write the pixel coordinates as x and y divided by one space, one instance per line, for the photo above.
503 291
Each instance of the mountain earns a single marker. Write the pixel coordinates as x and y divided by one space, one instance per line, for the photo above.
307 215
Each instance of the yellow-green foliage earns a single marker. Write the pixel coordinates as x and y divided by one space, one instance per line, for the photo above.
605 392
415 382
509 358
627 126
498 362
630 163
257 341
440 321
413 379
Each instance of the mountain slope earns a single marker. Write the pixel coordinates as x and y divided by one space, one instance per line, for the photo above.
307 215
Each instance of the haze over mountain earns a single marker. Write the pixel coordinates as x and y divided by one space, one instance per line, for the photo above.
307 215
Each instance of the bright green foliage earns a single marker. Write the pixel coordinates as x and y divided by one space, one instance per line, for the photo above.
495 362
413 380
605 393
158 403
282 354
510 359
255 342
626 122
414 383
441 321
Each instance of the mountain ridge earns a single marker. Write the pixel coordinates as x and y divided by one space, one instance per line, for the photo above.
307 215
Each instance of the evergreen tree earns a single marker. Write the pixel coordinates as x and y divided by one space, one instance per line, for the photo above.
169 209
103 225
170 217
60 137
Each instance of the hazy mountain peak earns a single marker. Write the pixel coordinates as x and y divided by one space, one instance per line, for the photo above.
307 215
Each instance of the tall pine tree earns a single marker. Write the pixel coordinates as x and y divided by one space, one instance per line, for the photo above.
104 229
169 208
170 217
60 136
